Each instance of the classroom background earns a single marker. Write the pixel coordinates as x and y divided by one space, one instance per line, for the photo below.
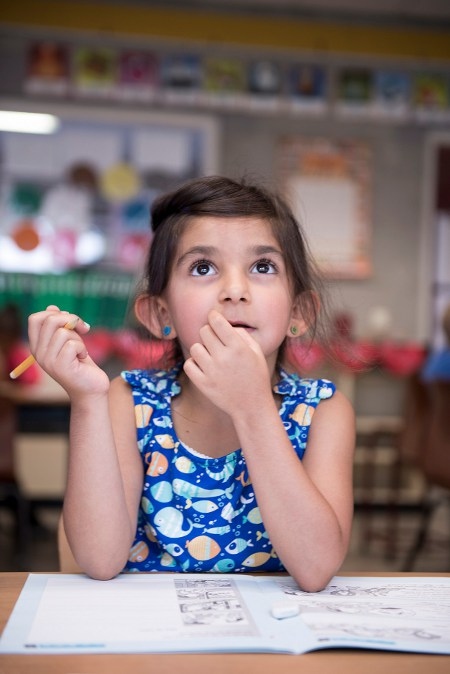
343 105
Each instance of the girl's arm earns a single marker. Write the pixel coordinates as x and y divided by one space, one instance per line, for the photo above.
104 482
307 505
104 479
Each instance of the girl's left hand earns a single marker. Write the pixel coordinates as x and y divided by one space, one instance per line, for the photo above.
226 362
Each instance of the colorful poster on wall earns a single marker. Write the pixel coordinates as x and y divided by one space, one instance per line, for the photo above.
94 72
225 81
47 69
264 86
137 75
307 87
264 78
181 78
355 90
182 72
431 96
328 184
392 94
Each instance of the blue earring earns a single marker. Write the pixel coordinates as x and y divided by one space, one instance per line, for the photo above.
167 330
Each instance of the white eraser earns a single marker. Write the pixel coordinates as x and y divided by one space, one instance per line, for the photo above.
284 609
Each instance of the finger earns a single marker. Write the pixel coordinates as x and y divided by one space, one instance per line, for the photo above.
53 331
77 324
248 339
221 327
191 369
74 347
199 355
210 339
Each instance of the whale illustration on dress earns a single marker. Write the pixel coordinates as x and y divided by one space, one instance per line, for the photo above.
163 422
223 474
188 490
228 512
169 522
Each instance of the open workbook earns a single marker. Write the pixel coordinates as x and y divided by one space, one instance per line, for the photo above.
158 613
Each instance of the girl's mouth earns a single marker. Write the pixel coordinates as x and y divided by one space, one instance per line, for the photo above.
242 325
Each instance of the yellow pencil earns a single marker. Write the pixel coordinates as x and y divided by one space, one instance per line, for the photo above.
25 364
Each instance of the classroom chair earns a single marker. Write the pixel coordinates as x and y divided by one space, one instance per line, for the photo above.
431 453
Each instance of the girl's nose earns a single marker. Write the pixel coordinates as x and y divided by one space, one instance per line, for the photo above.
234 289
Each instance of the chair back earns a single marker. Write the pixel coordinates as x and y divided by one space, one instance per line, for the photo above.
416 418
435 460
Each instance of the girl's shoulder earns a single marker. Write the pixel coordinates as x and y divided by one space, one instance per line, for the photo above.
304 389
153 384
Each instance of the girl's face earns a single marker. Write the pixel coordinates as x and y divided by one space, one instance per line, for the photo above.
236 267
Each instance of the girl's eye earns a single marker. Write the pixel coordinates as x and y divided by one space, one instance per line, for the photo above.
202 268
264 267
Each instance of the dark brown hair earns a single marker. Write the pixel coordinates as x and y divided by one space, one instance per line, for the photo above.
217 196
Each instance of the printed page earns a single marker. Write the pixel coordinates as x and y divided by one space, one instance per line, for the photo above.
59 613
388 613
153 613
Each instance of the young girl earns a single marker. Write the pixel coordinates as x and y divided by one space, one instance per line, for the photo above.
225 461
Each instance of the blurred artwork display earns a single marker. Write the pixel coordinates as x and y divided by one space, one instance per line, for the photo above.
137 75
95 71
328 184
120 182
232 80
392 93
307 87
431 96
181 79
88 204
355 87
47 68
265 78
225 80
181 72
222 74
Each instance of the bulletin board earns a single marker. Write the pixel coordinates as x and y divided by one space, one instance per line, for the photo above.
328 185
81 197
75 205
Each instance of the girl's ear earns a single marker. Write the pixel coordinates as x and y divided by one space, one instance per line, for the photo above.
153 313
304 314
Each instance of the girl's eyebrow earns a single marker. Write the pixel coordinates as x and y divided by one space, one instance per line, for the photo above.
195 251
210 251
267 250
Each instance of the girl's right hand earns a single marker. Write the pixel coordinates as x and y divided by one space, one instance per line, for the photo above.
62 353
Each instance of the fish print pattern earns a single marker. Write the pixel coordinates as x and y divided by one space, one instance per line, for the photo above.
198 513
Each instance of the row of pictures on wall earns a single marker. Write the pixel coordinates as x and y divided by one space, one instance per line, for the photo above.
193 79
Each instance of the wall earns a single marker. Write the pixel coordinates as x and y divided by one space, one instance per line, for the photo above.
248 146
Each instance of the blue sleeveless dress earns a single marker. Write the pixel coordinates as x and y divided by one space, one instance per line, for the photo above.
197 513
